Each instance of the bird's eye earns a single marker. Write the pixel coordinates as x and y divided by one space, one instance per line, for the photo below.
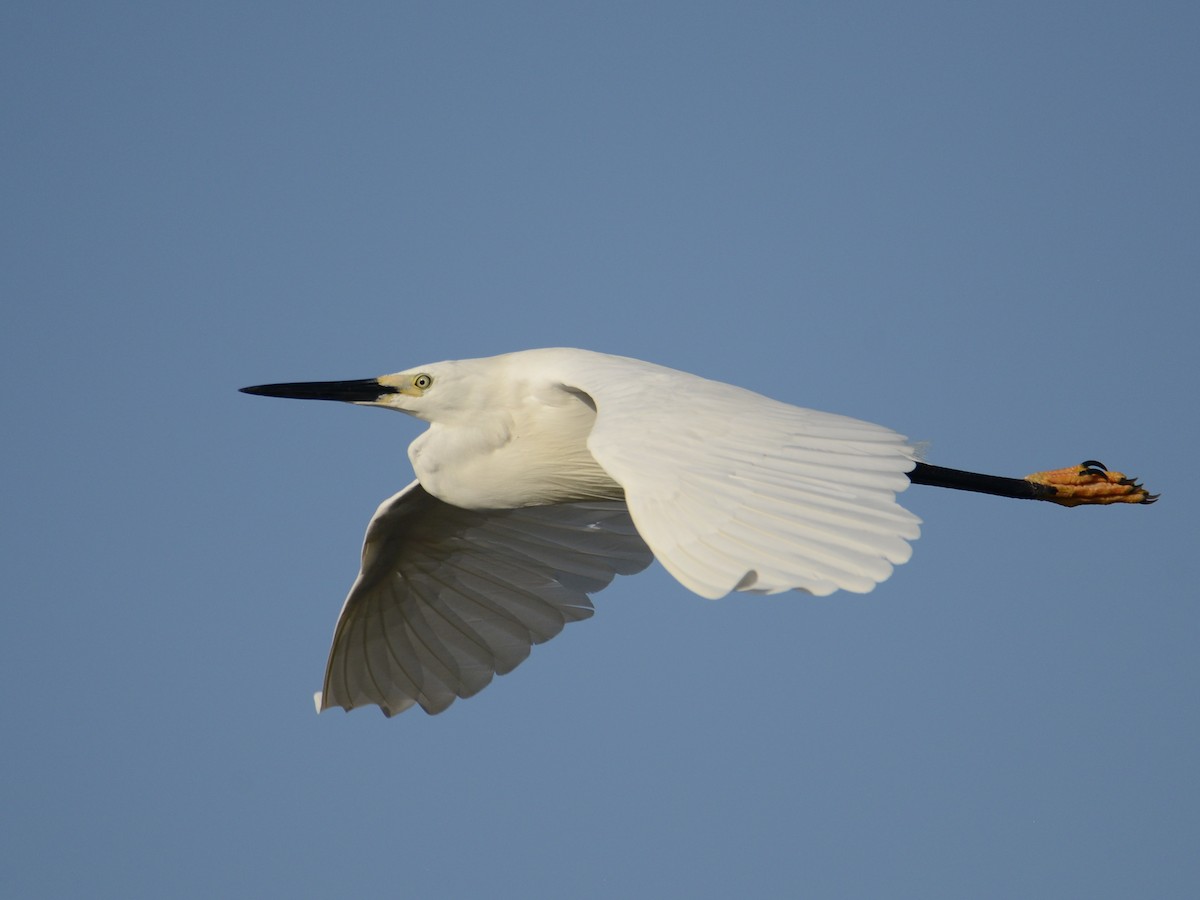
422 381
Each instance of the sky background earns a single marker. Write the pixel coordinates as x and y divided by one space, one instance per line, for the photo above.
978 224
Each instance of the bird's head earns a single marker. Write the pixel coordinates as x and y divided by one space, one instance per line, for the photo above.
434 392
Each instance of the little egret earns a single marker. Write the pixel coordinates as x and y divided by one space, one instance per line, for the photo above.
546 473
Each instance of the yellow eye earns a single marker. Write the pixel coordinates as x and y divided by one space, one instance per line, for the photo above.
422 381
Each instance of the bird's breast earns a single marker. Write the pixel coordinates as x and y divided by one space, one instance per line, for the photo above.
531 459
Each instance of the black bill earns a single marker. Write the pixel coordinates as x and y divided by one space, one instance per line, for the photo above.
362 390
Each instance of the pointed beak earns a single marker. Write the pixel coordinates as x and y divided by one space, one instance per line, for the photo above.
363 390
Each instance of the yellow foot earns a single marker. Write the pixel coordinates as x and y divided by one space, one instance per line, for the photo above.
1091 482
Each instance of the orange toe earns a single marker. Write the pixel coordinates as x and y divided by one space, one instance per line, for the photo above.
1091 483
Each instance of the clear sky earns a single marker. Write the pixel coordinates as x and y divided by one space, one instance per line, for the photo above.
977 224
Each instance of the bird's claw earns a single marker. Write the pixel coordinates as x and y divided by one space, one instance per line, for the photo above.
1091 482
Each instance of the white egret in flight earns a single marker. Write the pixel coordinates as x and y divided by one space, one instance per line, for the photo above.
546 473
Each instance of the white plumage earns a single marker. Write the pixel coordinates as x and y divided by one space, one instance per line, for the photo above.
546 473
448 597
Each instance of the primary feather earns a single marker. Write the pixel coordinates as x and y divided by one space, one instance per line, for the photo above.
447 597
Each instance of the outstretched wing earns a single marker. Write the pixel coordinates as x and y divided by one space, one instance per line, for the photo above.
447 598
735 491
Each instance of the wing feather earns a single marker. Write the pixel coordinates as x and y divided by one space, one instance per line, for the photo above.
447 598
735 491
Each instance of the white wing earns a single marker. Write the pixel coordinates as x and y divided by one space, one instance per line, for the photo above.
447 597
734 491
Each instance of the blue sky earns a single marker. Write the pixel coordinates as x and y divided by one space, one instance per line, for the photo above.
976 225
